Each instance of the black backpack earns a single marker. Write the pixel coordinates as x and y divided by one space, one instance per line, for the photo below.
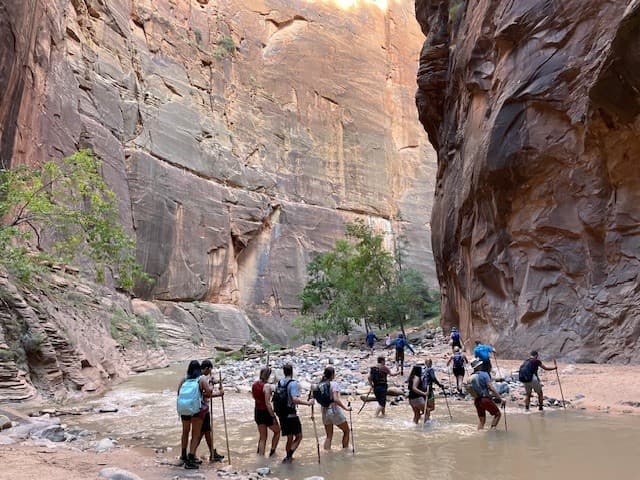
376 376
322 394
525 374
280 398
458 360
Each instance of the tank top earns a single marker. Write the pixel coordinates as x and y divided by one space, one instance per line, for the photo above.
257 390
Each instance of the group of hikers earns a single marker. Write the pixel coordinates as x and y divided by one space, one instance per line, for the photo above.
276 404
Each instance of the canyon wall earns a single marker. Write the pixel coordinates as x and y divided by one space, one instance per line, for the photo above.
533 110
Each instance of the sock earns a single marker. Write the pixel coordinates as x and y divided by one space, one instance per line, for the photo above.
184 453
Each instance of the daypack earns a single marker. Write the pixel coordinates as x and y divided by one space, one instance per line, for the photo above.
468 386
525 374
455 337
322 394
280 398
189 397
458 360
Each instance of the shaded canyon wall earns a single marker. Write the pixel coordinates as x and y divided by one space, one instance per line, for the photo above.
533 110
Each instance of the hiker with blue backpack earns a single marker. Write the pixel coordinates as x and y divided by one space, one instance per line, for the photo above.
285 398
327 394
192 408
528 375
456 340
207 428
459 361
371 339
483 352
400 345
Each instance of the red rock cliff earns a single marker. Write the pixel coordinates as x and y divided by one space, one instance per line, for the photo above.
533 108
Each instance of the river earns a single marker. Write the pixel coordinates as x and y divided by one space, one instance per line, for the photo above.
552 444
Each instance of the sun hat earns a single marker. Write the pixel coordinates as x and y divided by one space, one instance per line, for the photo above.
476 362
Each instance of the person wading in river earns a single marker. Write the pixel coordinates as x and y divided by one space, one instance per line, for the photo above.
400 344
206 432
378 381
481 387
530 369
456 340
264 415
483 352
327 394
459 361
428 379
285 399
417 397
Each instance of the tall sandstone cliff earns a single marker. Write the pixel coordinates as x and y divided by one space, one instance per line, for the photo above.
239 135
533 109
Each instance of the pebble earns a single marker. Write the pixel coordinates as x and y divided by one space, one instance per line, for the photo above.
105 444
4 422
114 473
263 471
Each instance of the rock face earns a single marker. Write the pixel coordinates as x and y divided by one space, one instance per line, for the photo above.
240 136
533 109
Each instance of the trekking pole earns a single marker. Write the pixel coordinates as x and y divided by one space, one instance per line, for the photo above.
504 409
353 434
315 430
560 385
364 402
224 416
449 378
447 402
498 367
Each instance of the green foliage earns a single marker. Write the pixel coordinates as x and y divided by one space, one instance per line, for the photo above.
6 355
225 47
32 342
70 201
271 347
126 328
359 279
224 357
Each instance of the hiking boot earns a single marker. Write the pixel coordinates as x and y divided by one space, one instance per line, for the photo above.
216 457
526 409
540 407
272 452
190 463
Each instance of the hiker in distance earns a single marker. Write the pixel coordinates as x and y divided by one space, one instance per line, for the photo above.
371 340
483 352
417 397
528 375
285 398
481 388
459 361
400 344
428 379
327 394
263 414
206 431
456 340
378 380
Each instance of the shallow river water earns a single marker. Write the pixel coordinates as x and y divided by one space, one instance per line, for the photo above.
549 445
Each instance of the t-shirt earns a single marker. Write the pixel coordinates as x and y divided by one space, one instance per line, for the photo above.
371 338
383 371
257 391
480 383
483 352
333 388
534 365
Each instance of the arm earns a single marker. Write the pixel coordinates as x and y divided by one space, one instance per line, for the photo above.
544 367
432 374
294 391
449 361
205 388
267 400
336 398
493 390
415 389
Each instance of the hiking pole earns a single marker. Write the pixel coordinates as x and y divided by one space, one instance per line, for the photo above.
353 434
560 385
315 430
447 402
504 409
498 367
224 416
364 402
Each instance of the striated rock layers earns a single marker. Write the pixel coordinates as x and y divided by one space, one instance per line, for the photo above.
533 109
239 135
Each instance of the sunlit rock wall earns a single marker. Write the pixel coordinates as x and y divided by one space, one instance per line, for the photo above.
533 108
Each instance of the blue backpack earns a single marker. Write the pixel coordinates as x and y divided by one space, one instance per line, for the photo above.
189 397
458 360
455 337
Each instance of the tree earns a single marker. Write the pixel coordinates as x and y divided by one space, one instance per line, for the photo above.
60 212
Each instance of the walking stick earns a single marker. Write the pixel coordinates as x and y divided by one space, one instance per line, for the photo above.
364 402
447 402
315 431
560 385
497 366
504 409
224 416
353 434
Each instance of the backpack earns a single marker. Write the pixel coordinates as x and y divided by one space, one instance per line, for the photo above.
322 394
458 361
455 337
525 374
280 398
468 386
189 397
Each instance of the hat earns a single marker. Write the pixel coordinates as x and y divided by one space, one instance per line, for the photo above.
454 329
456 349
476 362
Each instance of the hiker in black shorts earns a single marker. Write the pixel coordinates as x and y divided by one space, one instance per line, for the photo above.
400 344
378 381
459 361
206 431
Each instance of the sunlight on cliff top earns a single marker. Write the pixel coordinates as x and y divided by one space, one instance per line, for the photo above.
347 4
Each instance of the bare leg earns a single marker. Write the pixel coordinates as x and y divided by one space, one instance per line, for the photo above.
540 399
275 428
416 414
527 400
327 441
184 440
262 440
295 443
196 425
481 421
496 419
344 426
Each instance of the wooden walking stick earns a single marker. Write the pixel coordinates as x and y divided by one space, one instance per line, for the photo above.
315 429
559 385
224 416
447 402
504 409
497 366
353 434
364 402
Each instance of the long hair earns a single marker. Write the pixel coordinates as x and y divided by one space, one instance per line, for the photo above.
416 371
328 374
265 373
193 370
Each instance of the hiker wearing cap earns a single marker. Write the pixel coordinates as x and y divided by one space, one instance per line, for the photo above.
428 379
483 352
400 344
207 372
417 397
528 375
459 361
481 388
456 340
378 380
327 394
264 416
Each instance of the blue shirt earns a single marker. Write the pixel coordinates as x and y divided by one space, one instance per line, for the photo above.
371 337
483 352
480 383
401 344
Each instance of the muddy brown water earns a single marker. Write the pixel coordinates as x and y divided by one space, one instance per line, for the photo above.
543 445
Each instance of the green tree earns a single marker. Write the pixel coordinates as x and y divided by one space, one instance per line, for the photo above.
68 207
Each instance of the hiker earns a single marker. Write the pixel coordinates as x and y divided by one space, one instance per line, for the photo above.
285 398
263 413
206 366
483 352
481 387
192 406
378 381
371 339
459 360
327 394
387 341
456 341
428 379
400 344
528 375
417 397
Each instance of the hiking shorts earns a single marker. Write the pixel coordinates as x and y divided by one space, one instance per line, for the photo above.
290 425
458 371
485 404
534 385
399 356
333 416
417 402
380 391
263 417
